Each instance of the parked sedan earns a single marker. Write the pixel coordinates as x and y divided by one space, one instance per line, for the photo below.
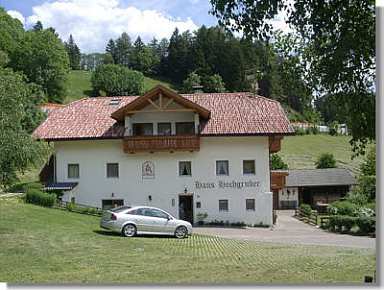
130 221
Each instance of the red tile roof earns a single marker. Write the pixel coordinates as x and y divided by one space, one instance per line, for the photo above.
231 114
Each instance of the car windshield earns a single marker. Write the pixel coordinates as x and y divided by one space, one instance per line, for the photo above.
120 209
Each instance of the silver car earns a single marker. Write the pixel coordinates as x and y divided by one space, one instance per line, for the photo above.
130 221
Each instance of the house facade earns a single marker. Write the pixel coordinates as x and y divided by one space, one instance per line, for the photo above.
186 154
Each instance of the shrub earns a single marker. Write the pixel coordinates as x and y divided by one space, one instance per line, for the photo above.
40 198
341 223
366 224
326 160
277 162
306 209
299 131
24 186
116 80
342 208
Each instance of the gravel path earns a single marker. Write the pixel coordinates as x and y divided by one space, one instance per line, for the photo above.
289 230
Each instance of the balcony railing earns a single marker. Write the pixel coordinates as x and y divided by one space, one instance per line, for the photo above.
132 144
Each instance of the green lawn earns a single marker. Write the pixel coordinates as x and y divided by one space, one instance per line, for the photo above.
302 151
40 245
79 84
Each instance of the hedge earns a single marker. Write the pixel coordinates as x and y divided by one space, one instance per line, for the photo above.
343 208
38 197
343 223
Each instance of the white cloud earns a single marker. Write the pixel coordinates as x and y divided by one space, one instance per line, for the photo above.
93 22
17 15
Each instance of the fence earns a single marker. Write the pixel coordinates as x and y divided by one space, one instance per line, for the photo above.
79 208
314 218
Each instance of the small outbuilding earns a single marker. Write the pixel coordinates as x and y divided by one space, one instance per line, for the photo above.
317 187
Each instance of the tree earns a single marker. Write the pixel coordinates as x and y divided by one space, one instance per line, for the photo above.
111 49
11 32
42 57
277 162
213 84
326 160
191 82
143 58
123 48
38 26
341 41
114 80
19 116
74 54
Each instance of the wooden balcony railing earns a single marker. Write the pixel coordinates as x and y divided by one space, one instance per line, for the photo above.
132 144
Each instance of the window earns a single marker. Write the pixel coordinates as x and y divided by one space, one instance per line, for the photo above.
250 204
185 168
112 170
249 167
73 171
164 129
198 204
151 212
142 129
111 203
185 128
223 205
222 167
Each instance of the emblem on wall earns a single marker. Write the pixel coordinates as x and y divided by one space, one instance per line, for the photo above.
148 170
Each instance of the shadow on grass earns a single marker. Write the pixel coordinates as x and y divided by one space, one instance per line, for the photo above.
115 234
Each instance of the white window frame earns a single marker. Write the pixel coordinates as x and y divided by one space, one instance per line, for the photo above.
216 173
118 170
224 210
178 168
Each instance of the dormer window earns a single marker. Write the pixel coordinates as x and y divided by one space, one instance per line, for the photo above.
114 102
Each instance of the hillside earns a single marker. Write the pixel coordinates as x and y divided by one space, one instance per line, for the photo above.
79 84
302 151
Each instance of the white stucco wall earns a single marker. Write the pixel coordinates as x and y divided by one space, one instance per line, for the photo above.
92 156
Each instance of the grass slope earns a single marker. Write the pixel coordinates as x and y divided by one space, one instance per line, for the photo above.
40 245
302 151
79 84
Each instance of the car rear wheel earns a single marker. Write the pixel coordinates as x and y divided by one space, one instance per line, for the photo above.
129 230
181 232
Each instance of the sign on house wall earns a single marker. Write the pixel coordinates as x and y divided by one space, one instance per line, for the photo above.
226 184
148 170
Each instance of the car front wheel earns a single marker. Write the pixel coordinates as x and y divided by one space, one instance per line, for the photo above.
129 230
181 232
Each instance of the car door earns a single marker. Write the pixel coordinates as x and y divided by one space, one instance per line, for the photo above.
142 221
159 220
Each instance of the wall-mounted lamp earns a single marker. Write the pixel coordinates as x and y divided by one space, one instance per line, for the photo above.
149 197
185 190
112 194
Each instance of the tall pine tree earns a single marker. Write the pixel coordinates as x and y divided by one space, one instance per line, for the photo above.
74 54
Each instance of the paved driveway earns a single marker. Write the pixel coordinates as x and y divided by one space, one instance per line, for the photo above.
291 231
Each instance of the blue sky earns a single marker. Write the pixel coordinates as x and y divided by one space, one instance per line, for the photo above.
93 22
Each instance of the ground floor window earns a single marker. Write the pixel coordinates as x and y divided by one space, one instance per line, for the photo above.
111 203
250 204
73 171
223 205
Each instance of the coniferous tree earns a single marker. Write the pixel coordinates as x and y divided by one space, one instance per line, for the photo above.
123 49
111 49
38 26
74 54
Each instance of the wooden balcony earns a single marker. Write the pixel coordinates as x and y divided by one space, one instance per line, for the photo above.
133 144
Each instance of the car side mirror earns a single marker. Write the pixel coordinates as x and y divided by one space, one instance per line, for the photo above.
169 218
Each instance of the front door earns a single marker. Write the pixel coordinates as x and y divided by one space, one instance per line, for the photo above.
186 208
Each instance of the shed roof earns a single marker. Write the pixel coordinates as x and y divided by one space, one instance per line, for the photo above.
319 177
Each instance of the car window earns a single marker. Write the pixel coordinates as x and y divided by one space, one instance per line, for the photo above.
156 213
120 209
